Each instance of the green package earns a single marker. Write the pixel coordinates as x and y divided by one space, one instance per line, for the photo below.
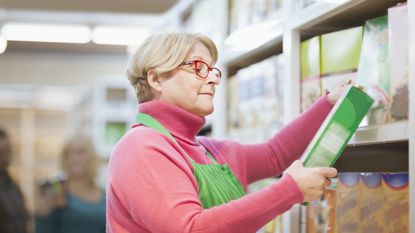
336 131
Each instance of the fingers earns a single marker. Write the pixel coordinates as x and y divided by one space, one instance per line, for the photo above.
327 183
328 172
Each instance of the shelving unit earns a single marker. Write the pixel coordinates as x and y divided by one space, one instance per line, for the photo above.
381 148
255 49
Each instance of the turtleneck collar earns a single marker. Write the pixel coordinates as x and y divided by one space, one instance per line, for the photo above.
183 125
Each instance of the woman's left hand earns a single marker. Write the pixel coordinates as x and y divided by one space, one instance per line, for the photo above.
338 91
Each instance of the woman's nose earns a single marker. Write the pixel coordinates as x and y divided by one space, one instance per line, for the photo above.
212 79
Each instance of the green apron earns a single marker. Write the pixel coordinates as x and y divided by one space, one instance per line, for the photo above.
217 184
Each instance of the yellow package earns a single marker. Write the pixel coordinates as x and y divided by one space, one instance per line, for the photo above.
371 202
395 206
347 217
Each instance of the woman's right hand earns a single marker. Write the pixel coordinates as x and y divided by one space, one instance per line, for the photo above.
311 181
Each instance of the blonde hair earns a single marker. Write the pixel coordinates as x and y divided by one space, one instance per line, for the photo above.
163 52
86 143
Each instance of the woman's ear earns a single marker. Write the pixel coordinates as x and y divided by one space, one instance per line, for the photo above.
154 80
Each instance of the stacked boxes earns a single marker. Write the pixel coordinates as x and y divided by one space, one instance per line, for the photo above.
310 72
325 64
373 73
339 62
256 101
362 203
399 61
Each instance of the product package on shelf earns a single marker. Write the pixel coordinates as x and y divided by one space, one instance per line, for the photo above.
347 218
373 72
321 213
310 72
256 101
202 12
396 205
361 203
399 61
339 62
371 203
337 129
244 13
240 14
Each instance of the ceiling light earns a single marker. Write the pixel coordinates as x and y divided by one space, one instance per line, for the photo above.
46 33
119 35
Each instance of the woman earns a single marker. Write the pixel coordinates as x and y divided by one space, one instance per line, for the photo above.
78 204
163 179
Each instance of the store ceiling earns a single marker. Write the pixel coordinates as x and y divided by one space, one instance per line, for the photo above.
115 6
85 12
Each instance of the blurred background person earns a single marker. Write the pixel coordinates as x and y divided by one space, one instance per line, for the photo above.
77 204
13 214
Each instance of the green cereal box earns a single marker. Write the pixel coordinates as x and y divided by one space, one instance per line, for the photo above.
337 129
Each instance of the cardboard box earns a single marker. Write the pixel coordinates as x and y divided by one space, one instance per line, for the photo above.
371 202
347 210
310 72
396 204
399 61
373 72
337 129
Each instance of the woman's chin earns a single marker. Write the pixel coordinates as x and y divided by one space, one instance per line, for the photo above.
204 111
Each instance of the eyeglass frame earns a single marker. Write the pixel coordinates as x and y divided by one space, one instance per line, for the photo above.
193 62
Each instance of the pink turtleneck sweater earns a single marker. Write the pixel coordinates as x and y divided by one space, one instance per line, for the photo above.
151 187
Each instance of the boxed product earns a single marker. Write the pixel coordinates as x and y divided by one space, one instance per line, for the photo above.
310 72
347 210
321 213
399 61
256 104
339 62
337 129
371 202
373 72
396 205
240 14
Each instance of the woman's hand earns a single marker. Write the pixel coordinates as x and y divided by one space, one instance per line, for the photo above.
311 181
338 91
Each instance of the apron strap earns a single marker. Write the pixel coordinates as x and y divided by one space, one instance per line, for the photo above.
150 122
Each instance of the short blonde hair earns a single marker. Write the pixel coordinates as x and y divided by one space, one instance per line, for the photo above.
93 161
163 52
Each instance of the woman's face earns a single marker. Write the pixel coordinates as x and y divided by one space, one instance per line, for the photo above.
77 160
188 91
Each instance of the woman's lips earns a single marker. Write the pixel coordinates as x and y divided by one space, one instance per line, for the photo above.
207 94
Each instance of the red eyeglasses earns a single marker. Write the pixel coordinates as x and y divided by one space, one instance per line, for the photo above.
202 69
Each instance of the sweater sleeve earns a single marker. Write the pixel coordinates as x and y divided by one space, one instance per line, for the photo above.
252 162
152 187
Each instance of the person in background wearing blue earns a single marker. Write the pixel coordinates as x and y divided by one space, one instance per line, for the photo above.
77 204
14 217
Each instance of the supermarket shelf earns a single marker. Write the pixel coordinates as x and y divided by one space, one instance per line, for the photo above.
387 133
326 17
246 49
384 157
382 148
